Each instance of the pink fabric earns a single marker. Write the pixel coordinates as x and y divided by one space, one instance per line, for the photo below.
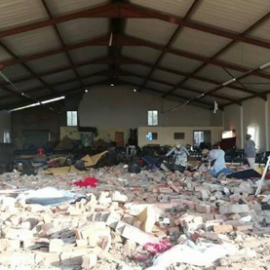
154 248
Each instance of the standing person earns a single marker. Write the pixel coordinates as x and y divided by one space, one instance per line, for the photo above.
180 157
250 151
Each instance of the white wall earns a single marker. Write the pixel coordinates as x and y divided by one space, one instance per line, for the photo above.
252 112
113 109
232 120
166 135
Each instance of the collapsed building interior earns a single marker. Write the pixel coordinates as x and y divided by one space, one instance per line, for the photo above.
109 113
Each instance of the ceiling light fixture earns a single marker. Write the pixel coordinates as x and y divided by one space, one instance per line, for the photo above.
112 84
134 90
229 82
86 90
38 104
111 39
266 65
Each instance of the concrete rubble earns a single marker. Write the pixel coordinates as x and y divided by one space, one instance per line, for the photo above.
129 219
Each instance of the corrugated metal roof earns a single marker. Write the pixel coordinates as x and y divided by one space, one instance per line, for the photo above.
214 72
199 42
32 42
67 86
4 55
198 85
58 7
141 53
28 85
174 7
17 13
91 69
2 91
88 53
92 80
136 80
14 72
185 93
261 32
150 29
232 15
49 62
138 69
227 92
79 30
256 83
158 86
246 55
166 76
211 99
179 63
40 94
11 102
60 76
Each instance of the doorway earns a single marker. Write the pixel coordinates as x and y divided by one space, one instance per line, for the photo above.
201 138
119 139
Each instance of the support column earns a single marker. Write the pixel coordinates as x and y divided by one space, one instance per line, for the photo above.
242 126
267 124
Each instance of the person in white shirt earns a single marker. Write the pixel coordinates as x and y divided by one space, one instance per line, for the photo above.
250 151
217 158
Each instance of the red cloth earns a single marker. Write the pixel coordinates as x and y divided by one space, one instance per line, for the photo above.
267 176
88 181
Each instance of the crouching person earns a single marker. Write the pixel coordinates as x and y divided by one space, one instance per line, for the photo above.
180 156
217 161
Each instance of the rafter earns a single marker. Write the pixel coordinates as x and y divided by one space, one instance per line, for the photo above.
127 60
124 40
161 92
62 43
106 82
197 91
127 10
26 66
171 40
118 73
224 49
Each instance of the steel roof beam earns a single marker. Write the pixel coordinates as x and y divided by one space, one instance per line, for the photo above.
25 66
127 10
62 43
127 60
228 46
124 40
171 40
118 73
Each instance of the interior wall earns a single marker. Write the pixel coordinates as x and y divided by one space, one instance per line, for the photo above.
254 115
232 121
5 125
253 112
166 135
37 119
112 109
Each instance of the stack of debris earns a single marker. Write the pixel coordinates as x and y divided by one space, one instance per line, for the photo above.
154 220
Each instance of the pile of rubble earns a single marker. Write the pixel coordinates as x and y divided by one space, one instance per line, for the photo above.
151 220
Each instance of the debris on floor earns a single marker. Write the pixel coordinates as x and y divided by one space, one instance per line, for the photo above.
109 218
